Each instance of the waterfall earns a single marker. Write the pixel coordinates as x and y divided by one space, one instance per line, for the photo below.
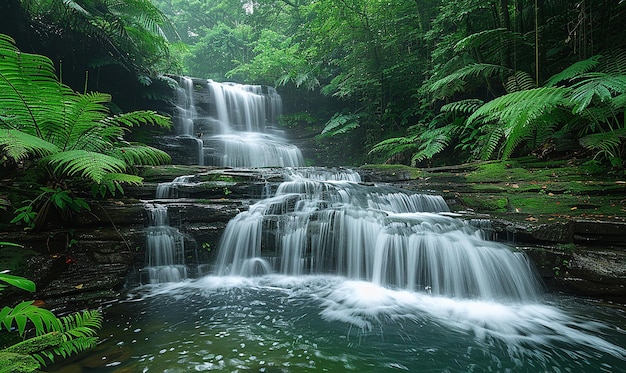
165 254
322 222
232 125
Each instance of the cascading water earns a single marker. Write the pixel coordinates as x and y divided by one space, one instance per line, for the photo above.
165 245
326 273
329 223
233 124
165 248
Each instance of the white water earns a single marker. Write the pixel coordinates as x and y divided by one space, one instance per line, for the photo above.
165 253
234 128
378 234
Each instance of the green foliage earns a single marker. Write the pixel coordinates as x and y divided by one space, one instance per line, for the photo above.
456 82
71 135
132 33
52 336
518 116
340 123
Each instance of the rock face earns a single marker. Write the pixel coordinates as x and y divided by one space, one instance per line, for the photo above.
102 253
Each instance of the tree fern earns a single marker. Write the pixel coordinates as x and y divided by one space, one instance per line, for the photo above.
454 82
519 114
85 164
340 123
574 70
467 106
72 134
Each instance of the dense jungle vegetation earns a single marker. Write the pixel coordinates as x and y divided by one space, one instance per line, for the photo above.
415 82
418 82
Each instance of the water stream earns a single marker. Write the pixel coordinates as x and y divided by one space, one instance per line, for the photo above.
329 274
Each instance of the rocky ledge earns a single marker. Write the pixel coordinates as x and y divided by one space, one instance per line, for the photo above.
575 234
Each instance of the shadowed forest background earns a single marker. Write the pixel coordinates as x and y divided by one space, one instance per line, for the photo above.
413 82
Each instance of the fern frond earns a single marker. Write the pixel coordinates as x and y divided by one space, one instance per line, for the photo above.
433 141
491 42
575 70
614 62
467 106
492 141
42 319
520 81
18 145
518 114
597 85
89 165
395 145
340 123
138 118
520 107
78 333
455 81
605 143
139 154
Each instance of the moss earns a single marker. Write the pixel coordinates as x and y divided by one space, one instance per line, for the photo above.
485 203
17 363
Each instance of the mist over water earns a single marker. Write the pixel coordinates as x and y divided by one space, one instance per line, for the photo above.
278 323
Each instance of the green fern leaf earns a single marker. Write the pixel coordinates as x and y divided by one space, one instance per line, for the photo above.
42 319
600 86
574 71
467 106
605 143
89 165
453 82
340 123
520 81
19 145
395 145
139 154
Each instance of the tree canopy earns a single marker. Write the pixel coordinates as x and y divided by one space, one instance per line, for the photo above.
418 80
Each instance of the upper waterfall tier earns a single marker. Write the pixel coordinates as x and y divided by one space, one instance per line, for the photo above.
229 124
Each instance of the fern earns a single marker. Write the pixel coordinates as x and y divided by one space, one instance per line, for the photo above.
455 81
85 164
574 71
520 81
433 141
395 145
596 85
492 42
139 154
72 134
606 144
19 145
518 114
339 124
42 319
467 106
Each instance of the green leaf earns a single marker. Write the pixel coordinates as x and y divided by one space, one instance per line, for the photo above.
17 281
